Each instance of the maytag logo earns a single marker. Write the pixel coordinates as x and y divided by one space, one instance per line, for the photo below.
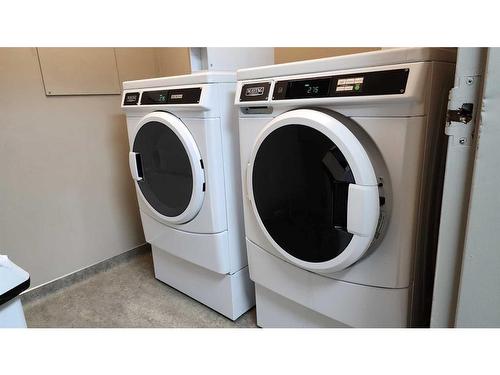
176 96
254 91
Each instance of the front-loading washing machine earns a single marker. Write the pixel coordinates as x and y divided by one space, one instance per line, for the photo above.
184 160
341 162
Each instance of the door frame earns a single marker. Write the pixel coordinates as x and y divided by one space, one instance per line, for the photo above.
192 150
363 198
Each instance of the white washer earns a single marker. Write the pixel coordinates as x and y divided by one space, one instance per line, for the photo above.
184 159
341 167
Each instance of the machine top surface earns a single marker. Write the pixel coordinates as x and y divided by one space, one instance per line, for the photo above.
202 77
391 56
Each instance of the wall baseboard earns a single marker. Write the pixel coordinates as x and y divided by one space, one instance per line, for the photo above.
53 286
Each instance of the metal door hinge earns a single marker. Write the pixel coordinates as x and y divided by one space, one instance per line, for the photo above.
463 114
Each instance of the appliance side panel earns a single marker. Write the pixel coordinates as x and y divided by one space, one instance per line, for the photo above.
432 177
232 179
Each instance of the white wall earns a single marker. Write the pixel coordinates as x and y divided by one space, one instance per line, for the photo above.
66 197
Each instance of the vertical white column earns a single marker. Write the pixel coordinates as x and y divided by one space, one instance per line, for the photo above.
229 58
461 142
478 302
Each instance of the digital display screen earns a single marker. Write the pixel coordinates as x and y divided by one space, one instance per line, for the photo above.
154 97
314 88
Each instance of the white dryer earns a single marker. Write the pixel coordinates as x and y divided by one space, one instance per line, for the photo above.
341 162
184 160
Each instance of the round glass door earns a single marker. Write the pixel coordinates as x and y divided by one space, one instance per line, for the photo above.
168 167
313 190
300 186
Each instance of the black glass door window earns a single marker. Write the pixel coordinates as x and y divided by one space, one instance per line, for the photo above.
300 183
167 177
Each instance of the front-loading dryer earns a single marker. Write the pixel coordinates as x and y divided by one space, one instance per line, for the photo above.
184 160
341 162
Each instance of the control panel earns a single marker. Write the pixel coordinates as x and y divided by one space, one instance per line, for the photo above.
385 82
190 95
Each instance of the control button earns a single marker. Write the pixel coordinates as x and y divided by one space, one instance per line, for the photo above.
358 80
341 82
348 88
357 86
349 81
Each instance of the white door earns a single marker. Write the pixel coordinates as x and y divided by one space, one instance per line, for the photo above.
478 303
166 164
313 190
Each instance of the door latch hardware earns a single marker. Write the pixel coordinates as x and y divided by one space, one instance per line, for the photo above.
463 114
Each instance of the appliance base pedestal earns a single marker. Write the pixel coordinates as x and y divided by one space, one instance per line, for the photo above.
229 294
275 311
309 294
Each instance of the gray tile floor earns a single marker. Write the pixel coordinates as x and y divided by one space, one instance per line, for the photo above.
126 295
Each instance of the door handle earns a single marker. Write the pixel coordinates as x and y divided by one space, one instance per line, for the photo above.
363 210
134 161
